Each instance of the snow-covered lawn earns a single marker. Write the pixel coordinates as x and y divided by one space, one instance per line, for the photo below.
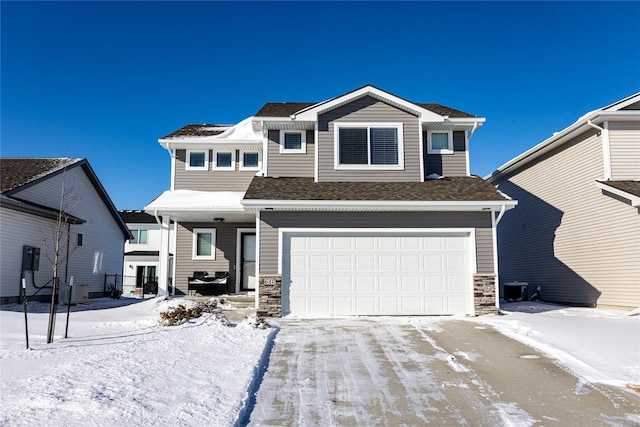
598 345
120 367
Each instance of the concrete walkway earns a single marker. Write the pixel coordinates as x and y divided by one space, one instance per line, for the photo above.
393 372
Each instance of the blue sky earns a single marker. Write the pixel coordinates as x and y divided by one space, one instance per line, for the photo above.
105 80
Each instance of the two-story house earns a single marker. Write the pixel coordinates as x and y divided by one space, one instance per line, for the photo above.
576 231
142 252
363 204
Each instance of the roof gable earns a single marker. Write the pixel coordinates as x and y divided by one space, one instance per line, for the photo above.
17 174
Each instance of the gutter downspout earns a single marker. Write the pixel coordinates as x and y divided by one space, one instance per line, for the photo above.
606 147
494 236
265 150
172 154
468 136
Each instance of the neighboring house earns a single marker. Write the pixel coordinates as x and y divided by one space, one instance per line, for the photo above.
576 231
335 208
34 192
141 253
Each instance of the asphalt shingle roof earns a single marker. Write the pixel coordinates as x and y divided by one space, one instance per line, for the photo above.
285 109
198 130
16 172
137 217
631 187
462 188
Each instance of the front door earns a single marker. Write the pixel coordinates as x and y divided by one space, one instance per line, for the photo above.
248 262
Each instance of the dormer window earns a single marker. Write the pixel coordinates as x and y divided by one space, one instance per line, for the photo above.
440 142
293 141
369 146
197 160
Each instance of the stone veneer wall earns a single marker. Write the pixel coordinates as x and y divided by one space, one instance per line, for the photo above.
484 294
270 296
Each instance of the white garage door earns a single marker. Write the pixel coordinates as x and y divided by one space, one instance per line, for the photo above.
360 273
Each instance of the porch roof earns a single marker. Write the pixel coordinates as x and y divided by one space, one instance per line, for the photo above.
201 206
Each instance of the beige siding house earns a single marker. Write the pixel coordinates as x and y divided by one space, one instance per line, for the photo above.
37 195
576 231
359 205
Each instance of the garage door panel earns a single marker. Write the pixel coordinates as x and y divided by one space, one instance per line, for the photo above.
368 273
365 284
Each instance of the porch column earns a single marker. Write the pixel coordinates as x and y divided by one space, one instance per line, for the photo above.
163 270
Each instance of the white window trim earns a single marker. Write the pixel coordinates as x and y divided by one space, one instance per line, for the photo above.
303 145
250 168
197 168
194 254
431 150
336 146
214 161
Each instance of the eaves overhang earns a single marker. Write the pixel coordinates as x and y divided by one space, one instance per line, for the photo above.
559 138
311 113
634 200
377 205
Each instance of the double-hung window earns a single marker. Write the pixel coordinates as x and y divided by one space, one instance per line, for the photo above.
197 160
224 160
204 243
369 146
440 142
139 237
293 141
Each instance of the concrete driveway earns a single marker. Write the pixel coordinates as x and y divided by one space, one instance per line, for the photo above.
423 371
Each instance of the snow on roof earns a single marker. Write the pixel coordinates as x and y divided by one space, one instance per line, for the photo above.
192 200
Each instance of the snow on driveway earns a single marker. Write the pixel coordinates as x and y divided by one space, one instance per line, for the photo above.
119 367
599 345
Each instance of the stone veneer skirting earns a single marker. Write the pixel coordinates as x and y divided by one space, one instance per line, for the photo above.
484 294
270 296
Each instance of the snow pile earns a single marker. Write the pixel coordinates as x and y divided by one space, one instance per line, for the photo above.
598 345
119 366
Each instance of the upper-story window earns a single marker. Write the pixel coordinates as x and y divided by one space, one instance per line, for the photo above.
197 160
224 160
293 141
369 146
250 160
440 142
139 237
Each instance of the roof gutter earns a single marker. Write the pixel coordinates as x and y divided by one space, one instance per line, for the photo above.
377 205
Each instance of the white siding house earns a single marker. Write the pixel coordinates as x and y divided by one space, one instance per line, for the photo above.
35 193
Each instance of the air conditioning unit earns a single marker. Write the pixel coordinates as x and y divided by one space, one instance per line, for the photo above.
79 294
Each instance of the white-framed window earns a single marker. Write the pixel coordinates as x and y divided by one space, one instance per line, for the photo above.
293 141
139 237
250 160
197 160
369 146
204 243
224 160
440 142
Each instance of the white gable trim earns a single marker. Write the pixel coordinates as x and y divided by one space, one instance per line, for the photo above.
312 113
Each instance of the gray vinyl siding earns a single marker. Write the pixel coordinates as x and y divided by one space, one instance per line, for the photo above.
225 259
447 164
270 222
210 180
102 251
579 245
290 164
624 140
368 110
